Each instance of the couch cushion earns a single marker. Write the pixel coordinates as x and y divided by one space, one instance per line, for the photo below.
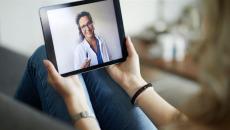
12 66
16 116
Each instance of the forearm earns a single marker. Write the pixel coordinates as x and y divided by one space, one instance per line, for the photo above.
155 107
73 93
87 124
75 107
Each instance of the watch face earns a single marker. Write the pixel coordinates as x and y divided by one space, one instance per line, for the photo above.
84 114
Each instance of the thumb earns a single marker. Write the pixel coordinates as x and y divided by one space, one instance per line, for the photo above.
52 72
130 48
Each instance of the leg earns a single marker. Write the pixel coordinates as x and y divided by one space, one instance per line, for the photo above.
112 105
35 90
26 92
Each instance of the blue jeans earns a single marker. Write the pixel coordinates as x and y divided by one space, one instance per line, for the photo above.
110 103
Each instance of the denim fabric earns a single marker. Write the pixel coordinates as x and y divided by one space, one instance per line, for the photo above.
37 92
111 104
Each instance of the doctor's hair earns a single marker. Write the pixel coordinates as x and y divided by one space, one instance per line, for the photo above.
79 16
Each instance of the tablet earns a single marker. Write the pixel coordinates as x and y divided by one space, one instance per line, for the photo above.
83 35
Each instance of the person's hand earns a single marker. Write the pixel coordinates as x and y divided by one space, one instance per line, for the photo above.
86 64
69 88
127 74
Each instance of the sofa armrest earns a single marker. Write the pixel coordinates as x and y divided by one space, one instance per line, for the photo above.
15 115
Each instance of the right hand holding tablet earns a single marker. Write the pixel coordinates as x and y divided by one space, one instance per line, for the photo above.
127 74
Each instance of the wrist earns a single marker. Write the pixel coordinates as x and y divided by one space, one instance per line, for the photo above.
82 115
75 106
87 124
140 92
133 85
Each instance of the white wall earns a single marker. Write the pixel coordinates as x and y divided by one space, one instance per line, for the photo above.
20 28
139 14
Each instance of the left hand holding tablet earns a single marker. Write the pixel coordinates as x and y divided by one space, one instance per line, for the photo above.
70 88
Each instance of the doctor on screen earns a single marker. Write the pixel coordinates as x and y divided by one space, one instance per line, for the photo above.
92 50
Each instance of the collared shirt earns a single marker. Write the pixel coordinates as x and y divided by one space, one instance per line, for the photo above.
83 51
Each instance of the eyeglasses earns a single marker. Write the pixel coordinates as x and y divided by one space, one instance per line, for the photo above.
89 25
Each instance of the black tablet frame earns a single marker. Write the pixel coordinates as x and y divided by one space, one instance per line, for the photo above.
49 42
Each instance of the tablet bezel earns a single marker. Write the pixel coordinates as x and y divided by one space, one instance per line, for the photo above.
49 42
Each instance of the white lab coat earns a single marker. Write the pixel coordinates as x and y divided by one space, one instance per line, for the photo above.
81 50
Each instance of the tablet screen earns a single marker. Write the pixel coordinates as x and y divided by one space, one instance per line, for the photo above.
83 36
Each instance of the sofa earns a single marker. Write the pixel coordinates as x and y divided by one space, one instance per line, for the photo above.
15 115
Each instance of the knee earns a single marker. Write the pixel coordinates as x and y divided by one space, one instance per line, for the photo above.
35 62
38 56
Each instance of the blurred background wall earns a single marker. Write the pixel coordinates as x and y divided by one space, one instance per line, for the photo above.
20 28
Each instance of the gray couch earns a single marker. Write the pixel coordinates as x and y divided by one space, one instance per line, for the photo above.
15 115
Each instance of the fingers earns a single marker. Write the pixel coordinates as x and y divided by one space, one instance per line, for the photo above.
86 63
52 72
130 48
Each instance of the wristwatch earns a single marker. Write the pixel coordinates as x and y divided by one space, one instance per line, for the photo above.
81 115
